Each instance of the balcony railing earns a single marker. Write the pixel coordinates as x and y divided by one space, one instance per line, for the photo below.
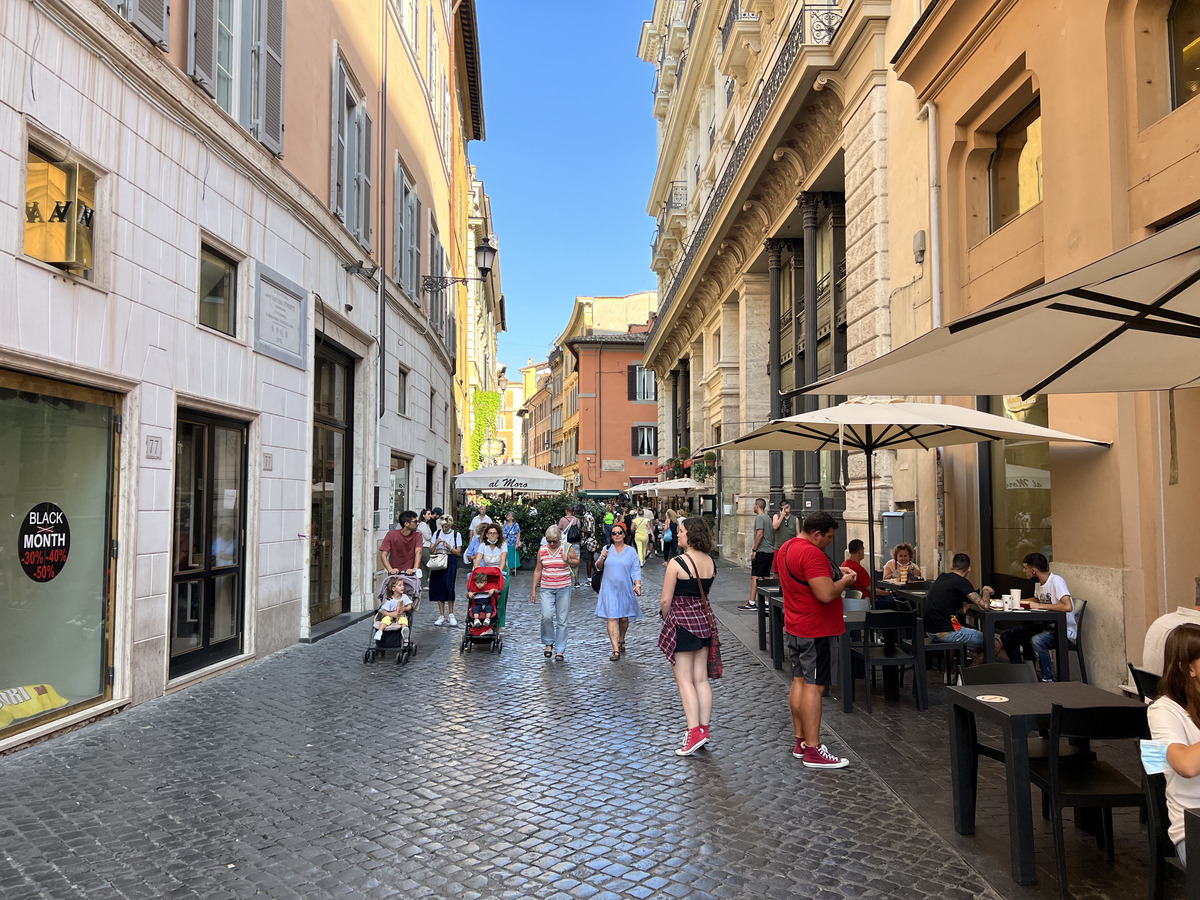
679 69
817 24
675 206
735 13
728 91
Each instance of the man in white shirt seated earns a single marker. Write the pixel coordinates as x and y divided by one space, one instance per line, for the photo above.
1156 634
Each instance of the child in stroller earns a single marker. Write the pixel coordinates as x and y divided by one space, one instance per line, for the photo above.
484 588
399 597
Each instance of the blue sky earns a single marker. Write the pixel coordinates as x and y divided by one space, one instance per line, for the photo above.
568 160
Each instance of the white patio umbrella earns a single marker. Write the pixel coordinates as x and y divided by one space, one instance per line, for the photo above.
680 486
510 477
868 427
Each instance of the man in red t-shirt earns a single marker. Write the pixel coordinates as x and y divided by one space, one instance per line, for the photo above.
862 581
401 547
812 618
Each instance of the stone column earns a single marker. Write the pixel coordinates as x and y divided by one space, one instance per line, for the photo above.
868 287
811 497
838 333
774 260
754 404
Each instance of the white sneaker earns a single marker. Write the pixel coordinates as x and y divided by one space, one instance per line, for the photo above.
441 620
379 634
453 621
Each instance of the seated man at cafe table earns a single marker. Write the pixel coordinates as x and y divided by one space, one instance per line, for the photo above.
1156 634
1050 592
855 552
947 600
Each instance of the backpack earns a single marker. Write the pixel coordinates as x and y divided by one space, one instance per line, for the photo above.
573 534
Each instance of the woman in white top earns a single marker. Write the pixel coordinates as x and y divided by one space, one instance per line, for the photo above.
441 582
493 551
426 529
1175 718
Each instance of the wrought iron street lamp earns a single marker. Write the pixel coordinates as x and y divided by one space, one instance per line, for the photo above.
485 257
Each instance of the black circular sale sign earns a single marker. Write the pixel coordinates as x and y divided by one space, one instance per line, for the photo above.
45 541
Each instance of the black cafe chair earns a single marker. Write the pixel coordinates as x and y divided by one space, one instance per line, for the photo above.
1145 682
1163 857
905 625
1077 644
1092 784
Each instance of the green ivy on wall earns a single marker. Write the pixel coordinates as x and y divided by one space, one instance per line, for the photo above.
486 405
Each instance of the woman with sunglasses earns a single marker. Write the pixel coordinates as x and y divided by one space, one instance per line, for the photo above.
552 576
620 587
494 552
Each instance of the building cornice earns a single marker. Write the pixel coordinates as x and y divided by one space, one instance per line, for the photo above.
942 41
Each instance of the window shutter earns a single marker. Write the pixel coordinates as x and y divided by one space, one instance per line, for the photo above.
635 440
416 239
151 18
202 45
340 135
365 166
654 439
350 186
398 207
632 372
270 74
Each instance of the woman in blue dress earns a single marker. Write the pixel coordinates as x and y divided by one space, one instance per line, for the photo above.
620 587
512 537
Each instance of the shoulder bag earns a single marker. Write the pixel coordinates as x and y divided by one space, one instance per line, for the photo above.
716 666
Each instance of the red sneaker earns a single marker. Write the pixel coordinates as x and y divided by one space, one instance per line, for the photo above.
819 757
696 738
798 750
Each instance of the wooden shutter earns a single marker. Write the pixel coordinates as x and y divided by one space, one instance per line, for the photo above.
632 373
399 208
151 18
364 179
416 243
654 442
270 73
635 440
340 135
202 44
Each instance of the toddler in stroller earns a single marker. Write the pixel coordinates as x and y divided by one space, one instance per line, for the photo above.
399 597
483 625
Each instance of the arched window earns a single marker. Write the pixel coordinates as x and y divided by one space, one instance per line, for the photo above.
1183 27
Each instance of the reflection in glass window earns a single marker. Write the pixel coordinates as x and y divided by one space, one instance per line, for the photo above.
218 291
1015 170
60 206
1184 27
1021 518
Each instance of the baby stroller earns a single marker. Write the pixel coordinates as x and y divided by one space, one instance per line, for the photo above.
482 633
387 632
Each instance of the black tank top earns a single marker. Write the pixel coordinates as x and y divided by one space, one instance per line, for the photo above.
690 587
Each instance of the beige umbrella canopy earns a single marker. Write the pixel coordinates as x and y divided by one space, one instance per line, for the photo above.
868 427
511 478
679 486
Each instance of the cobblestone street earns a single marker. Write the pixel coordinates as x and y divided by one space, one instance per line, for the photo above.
311 774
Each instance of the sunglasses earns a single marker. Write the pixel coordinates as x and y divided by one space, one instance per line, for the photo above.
617 531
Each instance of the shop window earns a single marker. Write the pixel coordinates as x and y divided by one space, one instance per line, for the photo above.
59 494
1020 485
1015 168
398 501
235 55
1183 26
218 291
352 157
60 212
402 386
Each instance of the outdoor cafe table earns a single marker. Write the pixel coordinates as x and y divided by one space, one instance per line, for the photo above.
1026 708
855 621
989 618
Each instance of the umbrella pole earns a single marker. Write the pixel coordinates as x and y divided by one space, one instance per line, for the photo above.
870 452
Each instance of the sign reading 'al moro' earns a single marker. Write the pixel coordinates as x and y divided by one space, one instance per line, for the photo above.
508 484
44 542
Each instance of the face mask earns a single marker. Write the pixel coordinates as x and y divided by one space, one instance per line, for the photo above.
1154 756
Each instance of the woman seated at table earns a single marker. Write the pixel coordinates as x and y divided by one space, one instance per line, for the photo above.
1175 718
900 568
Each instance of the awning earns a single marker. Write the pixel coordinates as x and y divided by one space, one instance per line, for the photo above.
509 477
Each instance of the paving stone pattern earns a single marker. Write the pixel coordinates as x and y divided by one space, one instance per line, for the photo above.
310 774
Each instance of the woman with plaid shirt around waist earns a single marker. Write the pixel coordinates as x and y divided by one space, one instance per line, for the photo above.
689 628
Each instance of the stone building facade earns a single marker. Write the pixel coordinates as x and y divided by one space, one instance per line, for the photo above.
220 371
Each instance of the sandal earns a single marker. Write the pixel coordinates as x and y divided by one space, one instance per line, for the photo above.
546 653
621 648
614 656
558 657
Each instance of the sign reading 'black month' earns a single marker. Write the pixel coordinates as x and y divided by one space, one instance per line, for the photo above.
45 542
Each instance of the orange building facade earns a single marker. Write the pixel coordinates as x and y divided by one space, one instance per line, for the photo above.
618 414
